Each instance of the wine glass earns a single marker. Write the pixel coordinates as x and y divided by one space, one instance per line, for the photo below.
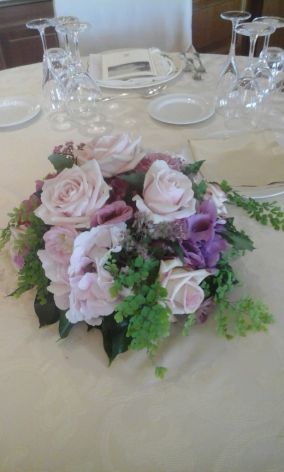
229 73
60 67
62 33
245 98
276 22
82 102
40 24
72 30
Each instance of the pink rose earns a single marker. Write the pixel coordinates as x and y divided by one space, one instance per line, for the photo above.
114 213
55 259
167 194
184 294
219 197
73 196
115 154
90 283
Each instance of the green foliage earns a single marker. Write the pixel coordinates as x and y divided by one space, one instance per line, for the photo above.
238 239
189 323
144 309
32 274
263 212
199 189
192 169
47 313
239 318
222 282
114 335
60 161
160 372
134 179
64 325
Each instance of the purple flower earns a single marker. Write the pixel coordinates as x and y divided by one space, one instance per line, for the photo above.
203 244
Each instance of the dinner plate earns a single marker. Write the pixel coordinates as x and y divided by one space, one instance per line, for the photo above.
267 191
181 109
171 64
17 110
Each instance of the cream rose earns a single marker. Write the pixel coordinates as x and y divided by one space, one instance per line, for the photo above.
115 154
167 194
184 294
73 196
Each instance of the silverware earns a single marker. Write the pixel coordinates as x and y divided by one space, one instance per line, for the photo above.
148 93
196 57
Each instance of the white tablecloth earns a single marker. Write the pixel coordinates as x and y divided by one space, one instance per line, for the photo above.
221 406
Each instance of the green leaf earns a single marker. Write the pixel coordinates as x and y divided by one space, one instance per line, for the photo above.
64 325
115 340
135 179
60 162
192 168
239 239
199 189
263 212
47 313
190 321
160 372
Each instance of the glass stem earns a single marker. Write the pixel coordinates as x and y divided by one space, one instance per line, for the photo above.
43 39
232 51
265 45
73 41
252 44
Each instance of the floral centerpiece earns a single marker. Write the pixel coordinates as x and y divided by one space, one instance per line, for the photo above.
130 242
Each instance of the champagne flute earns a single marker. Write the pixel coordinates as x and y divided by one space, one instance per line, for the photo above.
229 73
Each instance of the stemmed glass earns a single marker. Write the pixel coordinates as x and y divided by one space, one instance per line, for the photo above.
82 102
229 73
276 22
71 30
40 24
57 22
246 96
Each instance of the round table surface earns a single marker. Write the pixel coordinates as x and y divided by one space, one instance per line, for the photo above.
62 408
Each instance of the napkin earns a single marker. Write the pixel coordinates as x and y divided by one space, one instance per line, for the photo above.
252 159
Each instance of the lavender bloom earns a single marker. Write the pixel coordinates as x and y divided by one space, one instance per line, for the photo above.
203 245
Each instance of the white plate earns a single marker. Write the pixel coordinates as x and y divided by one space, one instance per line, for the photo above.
181 109
268 191
173 66
17 110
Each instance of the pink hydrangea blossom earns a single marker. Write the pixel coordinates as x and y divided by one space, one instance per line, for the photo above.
55 260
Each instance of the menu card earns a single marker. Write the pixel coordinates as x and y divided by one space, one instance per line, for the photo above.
128 63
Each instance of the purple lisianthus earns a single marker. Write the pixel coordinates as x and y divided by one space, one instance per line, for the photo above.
203 243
